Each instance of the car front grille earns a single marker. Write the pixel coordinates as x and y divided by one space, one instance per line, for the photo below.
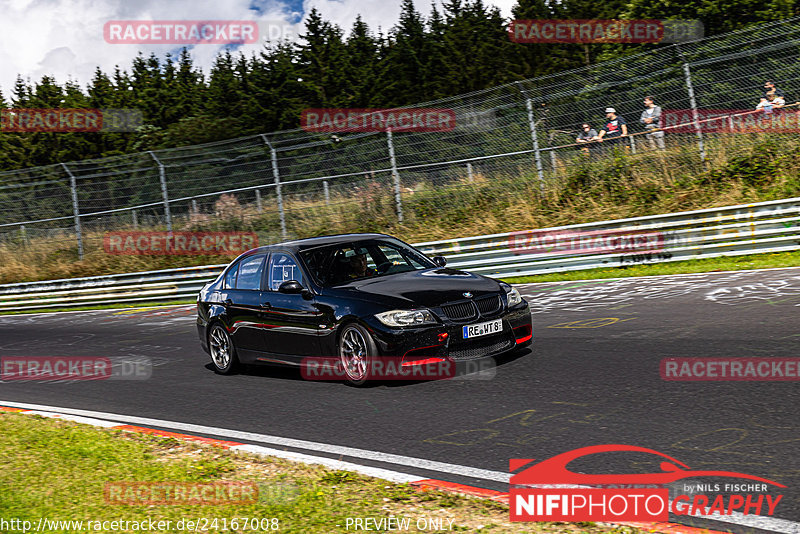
480 348
464 310
489 305
459 311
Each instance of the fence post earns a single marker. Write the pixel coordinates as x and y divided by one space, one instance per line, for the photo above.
398 201
327 192
536 152
162 176
469 172
693 104
259 206
633 144
75 209
135 219
23 234
277 177
194 206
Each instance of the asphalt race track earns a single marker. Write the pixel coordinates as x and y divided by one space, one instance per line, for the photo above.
592 377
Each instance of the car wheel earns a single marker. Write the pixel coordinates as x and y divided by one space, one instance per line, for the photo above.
223 353
356 353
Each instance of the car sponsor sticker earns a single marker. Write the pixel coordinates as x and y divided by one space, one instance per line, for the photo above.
483 329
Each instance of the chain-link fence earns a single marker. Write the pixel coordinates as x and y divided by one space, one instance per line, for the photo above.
515 141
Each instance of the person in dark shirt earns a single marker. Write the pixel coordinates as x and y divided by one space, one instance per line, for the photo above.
358 266
614 129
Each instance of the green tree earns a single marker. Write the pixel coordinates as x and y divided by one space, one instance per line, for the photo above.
402 77
323 63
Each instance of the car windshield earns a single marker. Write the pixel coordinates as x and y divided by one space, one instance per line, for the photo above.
341 263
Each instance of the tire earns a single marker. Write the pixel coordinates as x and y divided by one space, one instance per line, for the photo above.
357 351
223 353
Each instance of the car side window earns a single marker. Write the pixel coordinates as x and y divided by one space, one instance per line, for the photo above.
230 277
392 255
398 258
250 270
283 267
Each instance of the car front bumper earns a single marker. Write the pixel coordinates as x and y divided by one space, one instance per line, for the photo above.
446 341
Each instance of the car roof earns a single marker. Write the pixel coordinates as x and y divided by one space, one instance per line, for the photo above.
311 242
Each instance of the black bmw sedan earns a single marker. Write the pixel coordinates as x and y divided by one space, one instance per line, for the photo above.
358 299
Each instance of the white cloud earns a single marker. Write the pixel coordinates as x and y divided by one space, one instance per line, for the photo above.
383 13
64 38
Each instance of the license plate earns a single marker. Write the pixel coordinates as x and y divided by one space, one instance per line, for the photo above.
483 329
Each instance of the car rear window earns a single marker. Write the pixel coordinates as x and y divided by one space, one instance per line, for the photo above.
230 277
250 270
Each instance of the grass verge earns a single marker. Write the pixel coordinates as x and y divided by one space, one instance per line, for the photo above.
706 265
58 470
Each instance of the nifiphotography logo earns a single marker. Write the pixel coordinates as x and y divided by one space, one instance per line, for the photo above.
549 491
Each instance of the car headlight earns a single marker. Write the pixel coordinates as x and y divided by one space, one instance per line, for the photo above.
406 318
513 297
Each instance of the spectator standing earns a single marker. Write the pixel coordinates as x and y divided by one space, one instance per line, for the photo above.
770 86
771 101
614 129
770 104
588 137
651 118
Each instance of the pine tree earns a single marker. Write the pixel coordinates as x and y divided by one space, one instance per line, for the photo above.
101 90
361 64
21 93
479 52
323 64
402 80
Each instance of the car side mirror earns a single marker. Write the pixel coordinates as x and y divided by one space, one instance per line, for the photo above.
291 287
440 261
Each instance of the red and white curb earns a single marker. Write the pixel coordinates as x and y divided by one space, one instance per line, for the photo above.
423 484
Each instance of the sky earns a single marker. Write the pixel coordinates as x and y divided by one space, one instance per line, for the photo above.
64 38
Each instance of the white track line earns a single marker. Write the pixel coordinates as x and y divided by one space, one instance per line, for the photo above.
392 476
772 524
363 454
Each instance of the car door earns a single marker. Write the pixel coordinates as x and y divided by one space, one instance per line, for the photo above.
294 319
244 305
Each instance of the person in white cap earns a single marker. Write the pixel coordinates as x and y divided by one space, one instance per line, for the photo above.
614 129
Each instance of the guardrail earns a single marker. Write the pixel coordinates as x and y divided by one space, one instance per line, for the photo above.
728 231
152 286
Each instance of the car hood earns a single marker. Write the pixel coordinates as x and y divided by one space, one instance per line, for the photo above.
429 288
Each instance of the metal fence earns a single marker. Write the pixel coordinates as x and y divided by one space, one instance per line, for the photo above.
729 231
282 183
